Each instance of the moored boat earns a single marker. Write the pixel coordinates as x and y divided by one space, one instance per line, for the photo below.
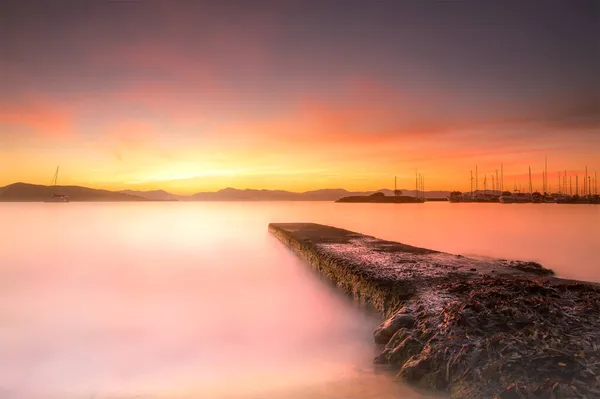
548 199
57 197
486 198
507 197
455 196
522 198
537 198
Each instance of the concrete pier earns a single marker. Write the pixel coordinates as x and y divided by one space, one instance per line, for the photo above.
472 328
384 274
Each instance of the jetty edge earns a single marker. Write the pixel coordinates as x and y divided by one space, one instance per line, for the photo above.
472 328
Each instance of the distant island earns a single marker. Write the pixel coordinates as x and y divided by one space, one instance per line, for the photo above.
25 192
381 198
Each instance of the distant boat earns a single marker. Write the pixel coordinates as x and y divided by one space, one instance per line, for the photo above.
537 198
455 196
507 197
57 197
521 198
486 198
576 199
548 199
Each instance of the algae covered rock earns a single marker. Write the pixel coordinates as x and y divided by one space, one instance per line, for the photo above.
388 328
401 347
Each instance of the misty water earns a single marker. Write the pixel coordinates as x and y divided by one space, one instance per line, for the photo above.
197 300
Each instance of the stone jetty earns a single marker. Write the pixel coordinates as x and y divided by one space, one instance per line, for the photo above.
471 328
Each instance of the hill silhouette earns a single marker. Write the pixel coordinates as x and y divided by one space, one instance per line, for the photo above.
35 192
156 195
233 194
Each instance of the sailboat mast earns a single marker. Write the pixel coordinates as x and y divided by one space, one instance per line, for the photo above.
546 175
55 177
585 179
471 184
485 183
476 180
559 185
416 184
502 177
530 187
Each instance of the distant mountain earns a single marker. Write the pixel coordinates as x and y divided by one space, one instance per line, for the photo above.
156 195
35 192
232 194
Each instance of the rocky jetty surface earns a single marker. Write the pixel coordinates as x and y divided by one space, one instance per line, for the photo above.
472 328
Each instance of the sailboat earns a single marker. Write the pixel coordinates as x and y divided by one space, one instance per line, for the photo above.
57 197
507 197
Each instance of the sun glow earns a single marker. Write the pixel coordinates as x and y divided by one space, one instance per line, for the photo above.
184 175
133 106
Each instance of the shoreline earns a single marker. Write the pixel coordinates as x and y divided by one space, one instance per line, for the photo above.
467 327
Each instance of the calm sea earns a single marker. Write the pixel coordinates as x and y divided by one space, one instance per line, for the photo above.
197 300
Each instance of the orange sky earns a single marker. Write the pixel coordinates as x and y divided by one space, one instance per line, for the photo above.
280 98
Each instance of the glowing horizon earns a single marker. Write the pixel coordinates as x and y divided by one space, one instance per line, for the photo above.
199 97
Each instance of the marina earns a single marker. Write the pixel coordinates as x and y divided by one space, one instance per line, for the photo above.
567 192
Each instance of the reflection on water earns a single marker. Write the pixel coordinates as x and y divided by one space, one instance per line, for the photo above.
188 300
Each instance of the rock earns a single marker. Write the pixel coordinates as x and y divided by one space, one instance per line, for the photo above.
530 267
394 342
415 369
401 347
387 329
381 359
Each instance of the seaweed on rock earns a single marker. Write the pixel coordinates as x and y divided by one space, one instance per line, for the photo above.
506 338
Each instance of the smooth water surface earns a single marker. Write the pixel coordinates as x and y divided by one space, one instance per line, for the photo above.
197 300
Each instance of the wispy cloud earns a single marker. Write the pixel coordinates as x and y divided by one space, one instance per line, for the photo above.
251 95
40 116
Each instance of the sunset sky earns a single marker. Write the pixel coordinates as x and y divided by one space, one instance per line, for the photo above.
296 95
